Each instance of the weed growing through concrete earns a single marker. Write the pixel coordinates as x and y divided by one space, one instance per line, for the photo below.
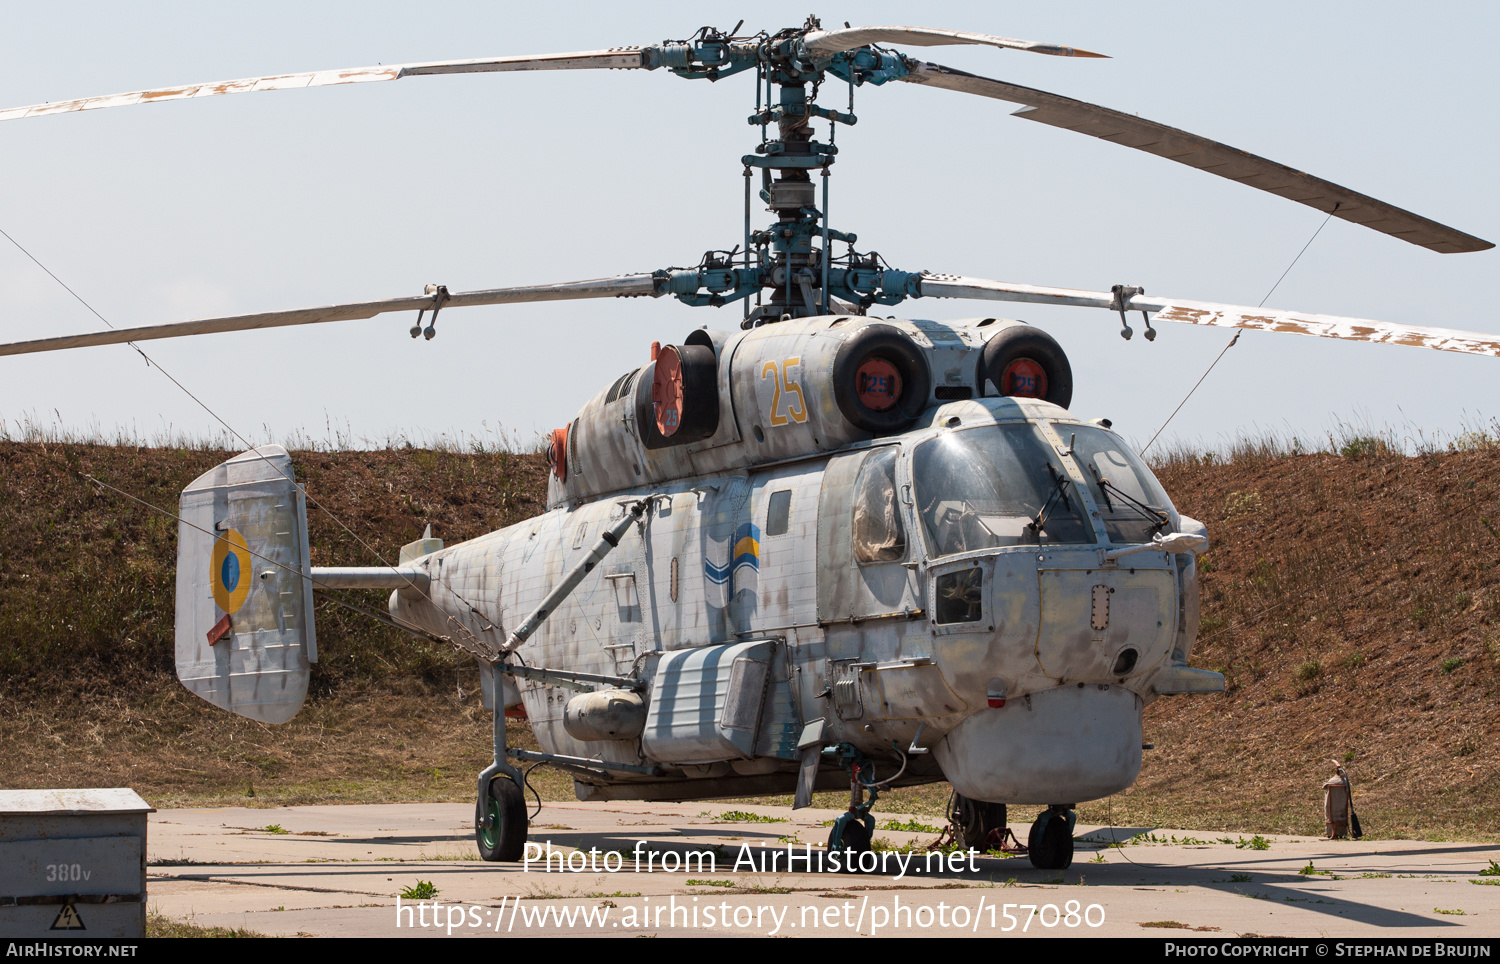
421 890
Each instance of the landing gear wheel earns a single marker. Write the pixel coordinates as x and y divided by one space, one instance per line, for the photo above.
1050 843
976 820
855 837
505 838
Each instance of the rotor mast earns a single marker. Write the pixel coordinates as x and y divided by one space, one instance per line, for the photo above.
787 265
794 249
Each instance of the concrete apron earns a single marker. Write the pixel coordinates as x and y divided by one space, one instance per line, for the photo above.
337 871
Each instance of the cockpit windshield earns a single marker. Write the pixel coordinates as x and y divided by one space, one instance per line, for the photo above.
1000 485
1131 502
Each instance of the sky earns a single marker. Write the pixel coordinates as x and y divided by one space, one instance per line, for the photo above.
294 198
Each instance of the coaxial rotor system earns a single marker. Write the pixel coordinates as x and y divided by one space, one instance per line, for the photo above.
788 268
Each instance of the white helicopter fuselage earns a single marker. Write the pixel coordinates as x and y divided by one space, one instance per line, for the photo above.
895 589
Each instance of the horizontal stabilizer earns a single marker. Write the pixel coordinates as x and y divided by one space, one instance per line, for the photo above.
245 634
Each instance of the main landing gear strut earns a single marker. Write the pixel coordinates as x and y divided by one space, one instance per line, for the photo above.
855 828
500 811
980 825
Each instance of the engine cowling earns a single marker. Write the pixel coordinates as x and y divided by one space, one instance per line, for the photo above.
720 402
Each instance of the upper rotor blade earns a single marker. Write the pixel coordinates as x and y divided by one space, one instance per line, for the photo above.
1206 155
624 286
619 58
1224 316
826 43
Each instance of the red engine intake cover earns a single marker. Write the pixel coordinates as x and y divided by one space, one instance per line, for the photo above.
666 391
1024 378
877 384
557 455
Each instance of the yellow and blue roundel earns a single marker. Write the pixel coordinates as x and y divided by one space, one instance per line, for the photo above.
230 575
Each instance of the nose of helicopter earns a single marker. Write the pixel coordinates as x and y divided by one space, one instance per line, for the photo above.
1074 646
1104 626
1067 744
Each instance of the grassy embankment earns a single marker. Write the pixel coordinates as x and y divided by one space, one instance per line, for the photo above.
1352 599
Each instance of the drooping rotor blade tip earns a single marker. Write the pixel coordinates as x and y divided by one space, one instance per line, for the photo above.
1192 150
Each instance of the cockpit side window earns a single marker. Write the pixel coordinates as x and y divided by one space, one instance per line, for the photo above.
1132 504
878 533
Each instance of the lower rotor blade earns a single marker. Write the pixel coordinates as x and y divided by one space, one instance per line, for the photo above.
625 286
826 43
1206 155
621 58
1224 316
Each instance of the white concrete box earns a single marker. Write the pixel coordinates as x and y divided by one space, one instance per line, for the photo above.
73 863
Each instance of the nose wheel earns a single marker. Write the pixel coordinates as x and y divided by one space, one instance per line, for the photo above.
852 831
1050 843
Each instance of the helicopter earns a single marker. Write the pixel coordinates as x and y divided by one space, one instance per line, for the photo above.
817 549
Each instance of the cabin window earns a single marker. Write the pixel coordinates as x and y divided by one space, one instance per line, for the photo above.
995 486
779 513
878 532
960 597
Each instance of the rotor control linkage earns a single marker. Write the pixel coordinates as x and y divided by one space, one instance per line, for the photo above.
439 295
1122 295
607 541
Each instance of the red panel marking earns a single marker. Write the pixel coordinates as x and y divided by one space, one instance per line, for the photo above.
220 630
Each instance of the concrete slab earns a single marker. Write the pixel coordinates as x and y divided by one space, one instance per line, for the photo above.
683 870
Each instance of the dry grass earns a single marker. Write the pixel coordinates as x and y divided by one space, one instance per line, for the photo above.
159 926
88 695
1352 601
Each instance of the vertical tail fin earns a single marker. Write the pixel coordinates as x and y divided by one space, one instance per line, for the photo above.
245 634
